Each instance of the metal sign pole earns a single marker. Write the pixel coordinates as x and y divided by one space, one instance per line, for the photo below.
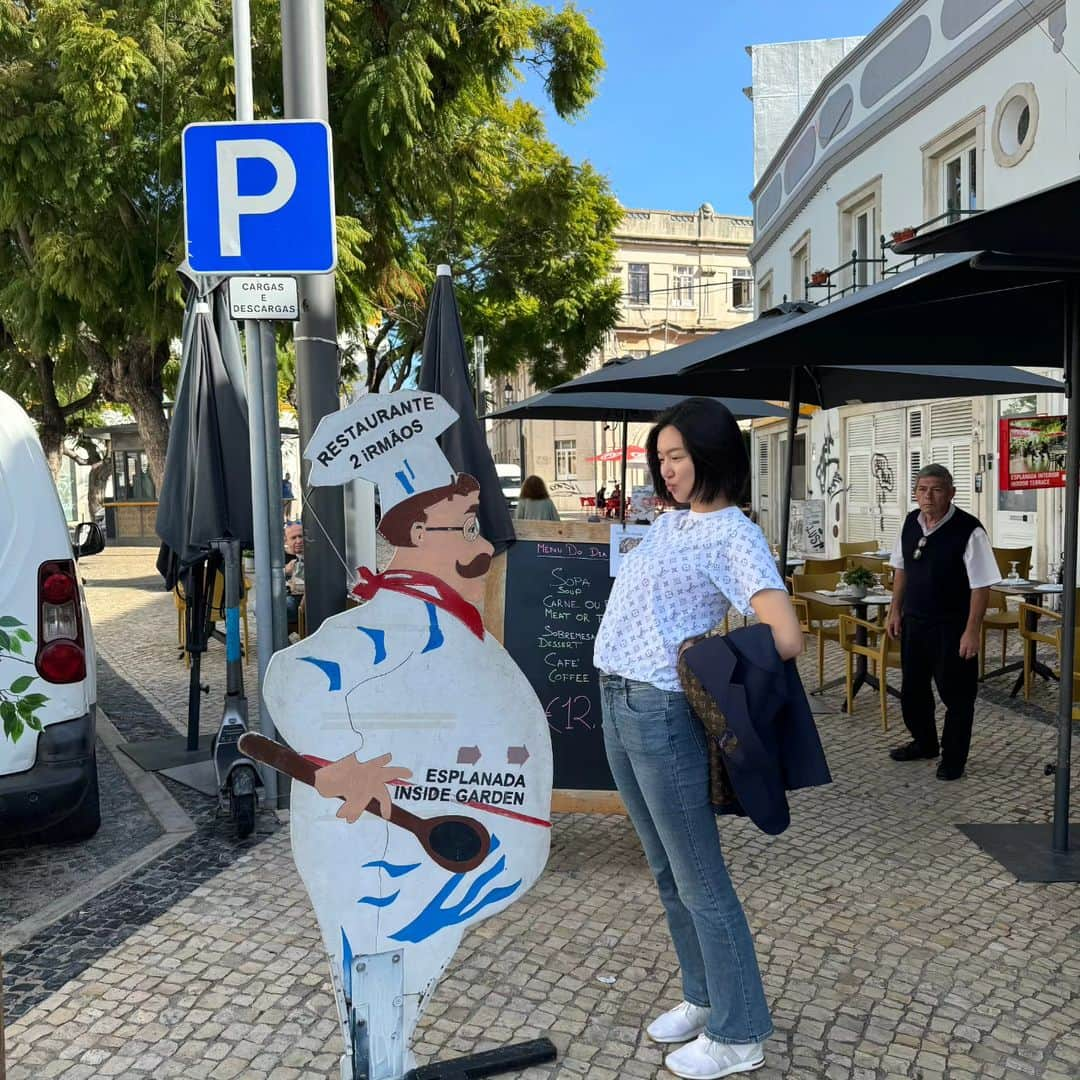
261 505
303 62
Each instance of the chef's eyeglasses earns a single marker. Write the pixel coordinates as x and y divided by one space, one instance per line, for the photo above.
469 529
919 547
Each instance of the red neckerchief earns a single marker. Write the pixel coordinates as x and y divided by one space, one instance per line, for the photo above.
414 583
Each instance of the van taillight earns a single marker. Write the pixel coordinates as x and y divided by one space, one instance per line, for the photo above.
61 653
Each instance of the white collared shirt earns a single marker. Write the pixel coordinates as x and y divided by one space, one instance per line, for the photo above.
979 562
677 583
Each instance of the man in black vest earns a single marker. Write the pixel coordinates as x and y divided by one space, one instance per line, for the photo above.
944 567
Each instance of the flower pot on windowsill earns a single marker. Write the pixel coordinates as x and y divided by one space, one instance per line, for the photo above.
901 235
819 277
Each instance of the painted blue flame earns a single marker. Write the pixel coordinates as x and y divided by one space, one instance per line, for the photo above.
436 916
393 869
379 901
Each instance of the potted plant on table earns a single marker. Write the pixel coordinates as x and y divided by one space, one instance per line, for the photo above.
859 581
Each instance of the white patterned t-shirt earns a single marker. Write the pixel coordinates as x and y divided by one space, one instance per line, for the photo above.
677 583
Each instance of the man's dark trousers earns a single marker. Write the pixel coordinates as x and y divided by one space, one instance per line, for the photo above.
930 650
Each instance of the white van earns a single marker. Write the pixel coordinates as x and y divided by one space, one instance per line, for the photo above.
48 688
510 481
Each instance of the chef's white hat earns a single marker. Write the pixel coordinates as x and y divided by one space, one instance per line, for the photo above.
387 439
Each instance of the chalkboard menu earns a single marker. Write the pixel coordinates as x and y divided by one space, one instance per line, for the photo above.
556 592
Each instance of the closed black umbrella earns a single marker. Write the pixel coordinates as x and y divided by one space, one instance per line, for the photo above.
206 491
445 371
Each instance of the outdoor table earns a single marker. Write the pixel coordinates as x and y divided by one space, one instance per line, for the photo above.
860 606
1031 592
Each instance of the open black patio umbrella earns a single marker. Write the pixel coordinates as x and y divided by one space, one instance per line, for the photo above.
445 371
608 406
621 408
1037 237
206 491
846 352
825 386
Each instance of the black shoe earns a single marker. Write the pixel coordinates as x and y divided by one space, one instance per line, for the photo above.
911 751
949 772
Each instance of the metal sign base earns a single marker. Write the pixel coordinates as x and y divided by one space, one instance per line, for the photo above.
1026 851
489 1063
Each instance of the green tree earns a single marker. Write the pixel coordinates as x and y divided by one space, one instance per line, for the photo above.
432 164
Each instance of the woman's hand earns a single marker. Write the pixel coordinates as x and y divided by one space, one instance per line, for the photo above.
773 607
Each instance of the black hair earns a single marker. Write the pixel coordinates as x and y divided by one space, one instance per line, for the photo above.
716 447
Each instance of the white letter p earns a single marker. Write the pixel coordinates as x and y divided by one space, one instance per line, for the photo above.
231 204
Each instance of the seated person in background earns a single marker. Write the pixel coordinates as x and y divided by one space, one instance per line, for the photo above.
534 503
294 570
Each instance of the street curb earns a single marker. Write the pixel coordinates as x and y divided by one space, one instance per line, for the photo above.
170 815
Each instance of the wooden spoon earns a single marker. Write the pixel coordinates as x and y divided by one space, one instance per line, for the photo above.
455 842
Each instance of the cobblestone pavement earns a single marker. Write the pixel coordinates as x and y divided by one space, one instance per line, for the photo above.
890 945
33 875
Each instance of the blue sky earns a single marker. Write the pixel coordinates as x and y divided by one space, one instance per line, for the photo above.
670 127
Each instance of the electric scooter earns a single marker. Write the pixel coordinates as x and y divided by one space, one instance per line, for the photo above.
238 779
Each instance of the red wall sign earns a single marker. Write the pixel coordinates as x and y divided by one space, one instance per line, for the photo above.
1031 452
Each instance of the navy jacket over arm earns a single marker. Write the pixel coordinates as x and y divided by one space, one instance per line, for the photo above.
769 741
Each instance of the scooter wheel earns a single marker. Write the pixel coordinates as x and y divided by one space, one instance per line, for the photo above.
243 812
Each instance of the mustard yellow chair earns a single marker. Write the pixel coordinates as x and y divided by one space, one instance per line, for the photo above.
820 618
999 616
879 649
1033 635
1063 668
825 566
857 547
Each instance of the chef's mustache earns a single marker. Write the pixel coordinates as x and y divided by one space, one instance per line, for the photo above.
478 567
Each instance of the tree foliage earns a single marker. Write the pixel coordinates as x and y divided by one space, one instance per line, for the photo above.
433 164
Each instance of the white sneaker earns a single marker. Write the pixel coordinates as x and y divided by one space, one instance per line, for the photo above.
680 1024
705 1059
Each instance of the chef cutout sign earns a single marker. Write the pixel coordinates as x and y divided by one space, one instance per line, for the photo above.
423 751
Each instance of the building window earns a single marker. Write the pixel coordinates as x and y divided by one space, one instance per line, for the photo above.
1015 122
764 294
953 170
565 459
683 290
638 282
860 219
800 267
960 183
742 287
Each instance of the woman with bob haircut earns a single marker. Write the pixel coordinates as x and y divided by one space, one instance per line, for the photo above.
534 502
694 564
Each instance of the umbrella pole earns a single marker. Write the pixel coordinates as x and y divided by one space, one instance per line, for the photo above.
622 485
1062 774
785 507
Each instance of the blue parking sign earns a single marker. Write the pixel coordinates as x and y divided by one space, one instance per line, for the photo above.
259 197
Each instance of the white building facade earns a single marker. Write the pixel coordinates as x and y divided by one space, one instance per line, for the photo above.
948 106
683 275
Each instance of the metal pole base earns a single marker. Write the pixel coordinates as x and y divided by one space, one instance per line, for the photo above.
1026 851
489 1063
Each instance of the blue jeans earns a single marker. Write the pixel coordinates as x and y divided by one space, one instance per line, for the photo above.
658 757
